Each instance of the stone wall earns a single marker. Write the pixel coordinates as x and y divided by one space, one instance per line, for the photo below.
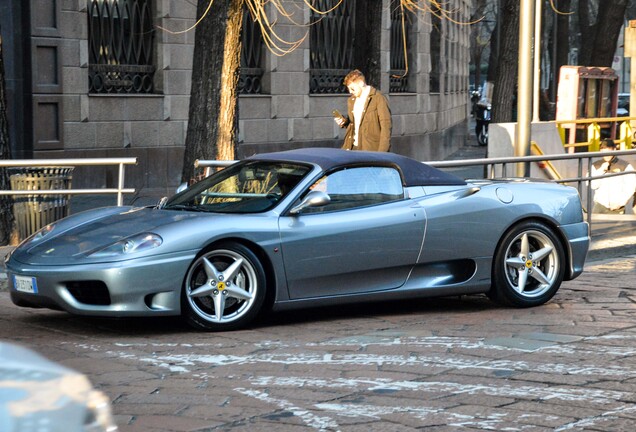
153 127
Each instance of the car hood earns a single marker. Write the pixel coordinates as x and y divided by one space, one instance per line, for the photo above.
74 238
34 390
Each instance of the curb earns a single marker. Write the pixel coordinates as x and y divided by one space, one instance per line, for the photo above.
602 248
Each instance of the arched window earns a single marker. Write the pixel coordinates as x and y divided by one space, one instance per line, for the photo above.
120 45
331 45
436 51
251 72
401 45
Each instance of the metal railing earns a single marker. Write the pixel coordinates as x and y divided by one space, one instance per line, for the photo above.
39 163
490 165
592 126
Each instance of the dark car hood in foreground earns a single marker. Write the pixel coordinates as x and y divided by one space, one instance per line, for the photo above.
36 391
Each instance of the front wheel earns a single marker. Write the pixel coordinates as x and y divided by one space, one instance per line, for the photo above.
224 288
529 266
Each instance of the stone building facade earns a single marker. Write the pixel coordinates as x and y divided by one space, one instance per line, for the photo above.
58 111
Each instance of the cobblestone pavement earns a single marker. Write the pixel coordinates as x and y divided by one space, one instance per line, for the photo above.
437 364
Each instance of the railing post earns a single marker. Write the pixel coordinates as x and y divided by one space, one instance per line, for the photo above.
120 186
579 183
626 134
589 192
561 131
593 137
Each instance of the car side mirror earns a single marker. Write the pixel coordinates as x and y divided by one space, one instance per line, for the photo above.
312 199
182 187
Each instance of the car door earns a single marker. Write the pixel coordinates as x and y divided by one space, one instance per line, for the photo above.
366 239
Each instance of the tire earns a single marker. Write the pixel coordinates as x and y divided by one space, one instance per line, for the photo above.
482 138
528 267
229 278
478 128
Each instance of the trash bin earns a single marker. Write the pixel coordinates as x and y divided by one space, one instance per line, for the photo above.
32 212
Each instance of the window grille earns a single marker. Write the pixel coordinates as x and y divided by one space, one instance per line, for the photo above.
251 73
120 46
331 46
398 58
450 50
436 41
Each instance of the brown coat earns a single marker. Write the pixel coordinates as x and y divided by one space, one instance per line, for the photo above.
375 127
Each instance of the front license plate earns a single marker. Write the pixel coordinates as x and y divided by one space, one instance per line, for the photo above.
25 284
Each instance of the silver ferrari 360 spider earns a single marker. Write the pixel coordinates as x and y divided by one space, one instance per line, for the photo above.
310 227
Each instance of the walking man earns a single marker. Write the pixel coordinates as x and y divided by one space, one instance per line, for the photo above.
368 121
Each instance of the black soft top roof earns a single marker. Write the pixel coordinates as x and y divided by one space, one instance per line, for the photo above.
414 173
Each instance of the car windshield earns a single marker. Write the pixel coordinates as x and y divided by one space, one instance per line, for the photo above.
246 187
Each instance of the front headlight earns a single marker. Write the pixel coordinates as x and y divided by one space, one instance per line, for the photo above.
137 243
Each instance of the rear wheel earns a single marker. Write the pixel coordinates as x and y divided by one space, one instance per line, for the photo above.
482 138
529 266
224 288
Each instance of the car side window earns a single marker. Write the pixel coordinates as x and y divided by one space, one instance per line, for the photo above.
358 187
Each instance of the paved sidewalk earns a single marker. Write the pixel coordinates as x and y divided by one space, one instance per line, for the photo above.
445 365
612 236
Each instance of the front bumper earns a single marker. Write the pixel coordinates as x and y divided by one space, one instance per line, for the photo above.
148 286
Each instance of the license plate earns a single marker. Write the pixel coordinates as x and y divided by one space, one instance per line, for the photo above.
25 284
